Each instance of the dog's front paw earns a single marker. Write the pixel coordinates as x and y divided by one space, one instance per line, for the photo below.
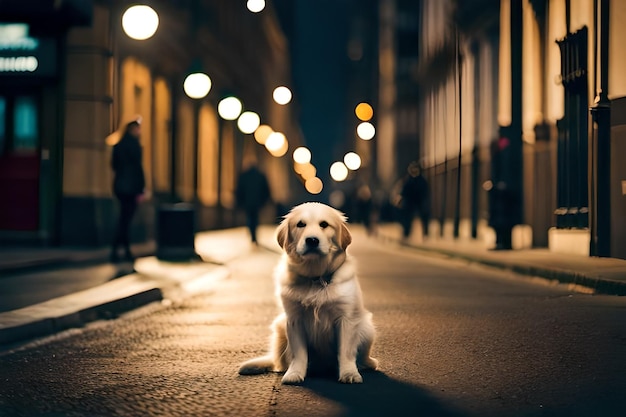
351 377
292 377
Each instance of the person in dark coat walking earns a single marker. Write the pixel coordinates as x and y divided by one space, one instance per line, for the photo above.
415 199
252 193
128 185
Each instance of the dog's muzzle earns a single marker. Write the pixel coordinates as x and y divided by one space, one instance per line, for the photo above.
312 242
311 245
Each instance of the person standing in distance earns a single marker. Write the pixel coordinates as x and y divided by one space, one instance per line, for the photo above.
252 194
415 199
128 186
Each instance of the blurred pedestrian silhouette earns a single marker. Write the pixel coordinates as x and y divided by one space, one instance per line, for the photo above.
363 206
128 186
414 200
252 194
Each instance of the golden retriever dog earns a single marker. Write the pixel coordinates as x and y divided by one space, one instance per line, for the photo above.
323 324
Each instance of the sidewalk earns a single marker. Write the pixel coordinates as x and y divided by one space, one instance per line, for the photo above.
599 275
88 288
80 299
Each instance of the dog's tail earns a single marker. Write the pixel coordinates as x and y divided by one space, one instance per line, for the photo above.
257 366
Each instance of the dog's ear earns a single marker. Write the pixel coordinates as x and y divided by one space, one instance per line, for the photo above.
282 233
345 238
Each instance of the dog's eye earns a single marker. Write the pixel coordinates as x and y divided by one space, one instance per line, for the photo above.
301 224
323 225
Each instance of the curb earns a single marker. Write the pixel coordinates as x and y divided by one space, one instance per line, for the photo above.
51 325
103 302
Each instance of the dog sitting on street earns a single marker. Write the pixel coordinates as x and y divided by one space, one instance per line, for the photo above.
323 324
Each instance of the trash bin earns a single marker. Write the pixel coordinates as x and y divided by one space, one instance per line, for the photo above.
176 230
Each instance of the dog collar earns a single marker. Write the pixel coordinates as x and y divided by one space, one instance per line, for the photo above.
324 280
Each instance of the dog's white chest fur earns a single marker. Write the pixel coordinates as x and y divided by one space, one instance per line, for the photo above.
320 292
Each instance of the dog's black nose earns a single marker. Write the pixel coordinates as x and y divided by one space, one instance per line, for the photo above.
312 242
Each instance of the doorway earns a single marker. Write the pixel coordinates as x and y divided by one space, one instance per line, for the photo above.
19 160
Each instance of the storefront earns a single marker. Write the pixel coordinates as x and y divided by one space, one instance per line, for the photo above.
28 81
31 79
70 77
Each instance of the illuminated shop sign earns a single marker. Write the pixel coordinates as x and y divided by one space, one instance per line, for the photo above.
23 55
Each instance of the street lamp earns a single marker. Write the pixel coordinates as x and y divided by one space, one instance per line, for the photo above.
282 95
314 185
197 85
364 112
352 161
306 170
262 133
277 144
140 22
302 155
338 171
229 108
366 130
248 122
255 6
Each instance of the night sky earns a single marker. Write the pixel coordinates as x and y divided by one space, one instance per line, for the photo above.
317 31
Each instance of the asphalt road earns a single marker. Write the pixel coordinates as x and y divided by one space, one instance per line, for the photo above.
453 340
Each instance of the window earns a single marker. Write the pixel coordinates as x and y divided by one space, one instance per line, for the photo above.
3 111
25 123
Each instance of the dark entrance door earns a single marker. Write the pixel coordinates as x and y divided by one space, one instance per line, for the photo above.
19 160
572 184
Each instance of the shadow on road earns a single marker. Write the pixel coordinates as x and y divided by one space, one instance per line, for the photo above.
381 395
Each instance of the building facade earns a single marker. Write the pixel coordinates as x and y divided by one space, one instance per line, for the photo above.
61 120
524 99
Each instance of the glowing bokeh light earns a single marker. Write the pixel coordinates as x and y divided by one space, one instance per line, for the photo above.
282 95
229 108
140 22
314 185
255 6
248 122
352 161
338 171
364 112
275 141
306 171
262 133
282 150
366 130
302 155
197 85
